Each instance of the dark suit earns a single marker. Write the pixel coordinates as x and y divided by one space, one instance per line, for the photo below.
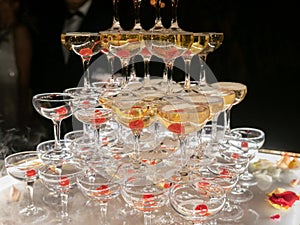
50 71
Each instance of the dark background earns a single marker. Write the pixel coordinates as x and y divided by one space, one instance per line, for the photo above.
260 49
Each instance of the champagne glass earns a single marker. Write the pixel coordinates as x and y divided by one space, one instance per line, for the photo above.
134 113
182 117
249 140
96 118
240 91
84 44
56 107
200 43
122 44
84 98
62 178
99 187
214 42
236 158
216 104
168 46
145 193
52 196
23 166
226 176
198 202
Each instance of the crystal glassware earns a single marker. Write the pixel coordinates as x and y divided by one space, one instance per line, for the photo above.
56 107
226 176
240 91
84 44
182 117
198 202
23 166
62 178
99 187
146 193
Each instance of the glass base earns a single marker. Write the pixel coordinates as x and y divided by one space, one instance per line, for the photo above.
51 198
247 180
231 213
57 155
32 215
240 195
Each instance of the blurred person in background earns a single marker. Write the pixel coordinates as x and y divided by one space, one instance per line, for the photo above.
15 69
54 68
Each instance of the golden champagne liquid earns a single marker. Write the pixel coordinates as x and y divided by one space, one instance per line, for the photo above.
215 103
139 111
228 98
79 38
169 45
239 89
123 44
191 116
215 41
200 43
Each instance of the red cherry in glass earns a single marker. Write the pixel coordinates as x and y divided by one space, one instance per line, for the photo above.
30 173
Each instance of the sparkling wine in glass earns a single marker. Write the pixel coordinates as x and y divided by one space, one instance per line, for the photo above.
240 91
182 117
84 44
169 46
200 43
55 107
122 44
134 113
23 166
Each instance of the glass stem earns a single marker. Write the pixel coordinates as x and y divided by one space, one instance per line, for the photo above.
125 69
202 80
57 125
227 121
169 74
110 59
183 157
103 213
136 157
29 188
64 203
147 218
146 70
187 80
86 77
214 136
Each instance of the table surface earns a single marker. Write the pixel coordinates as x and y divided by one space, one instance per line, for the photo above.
257 211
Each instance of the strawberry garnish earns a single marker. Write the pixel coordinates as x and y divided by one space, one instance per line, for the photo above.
202 209
176 128
148 197
136 124
86 52
235 156
61 110
30 173
103 190
244 144
64 181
